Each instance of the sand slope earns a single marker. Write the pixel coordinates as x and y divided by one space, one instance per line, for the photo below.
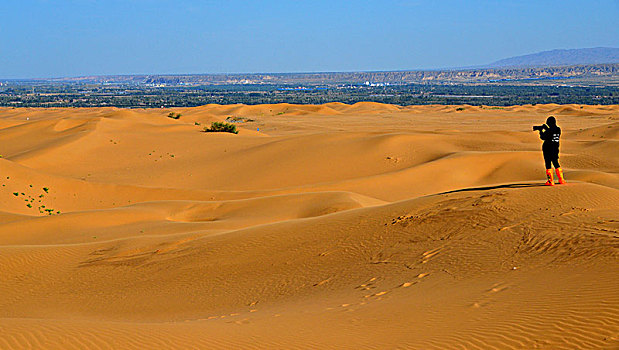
331 226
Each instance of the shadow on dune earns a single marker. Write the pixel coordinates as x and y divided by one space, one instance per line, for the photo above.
486 188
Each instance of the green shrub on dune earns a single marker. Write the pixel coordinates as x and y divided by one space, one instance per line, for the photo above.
221 127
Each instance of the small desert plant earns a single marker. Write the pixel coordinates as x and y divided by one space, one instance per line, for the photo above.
221 127
460 109
174 115
238 120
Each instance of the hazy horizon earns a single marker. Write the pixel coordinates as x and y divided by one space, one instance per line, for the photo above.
44 39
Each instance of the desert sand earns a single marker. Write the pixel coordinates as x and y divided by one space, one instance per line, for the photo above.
363 226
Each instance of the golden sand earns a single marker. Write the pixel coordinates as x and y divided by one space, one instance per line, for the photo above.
333 226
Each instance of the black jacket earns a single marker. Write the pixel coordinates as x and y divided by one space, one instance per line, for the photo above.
551 136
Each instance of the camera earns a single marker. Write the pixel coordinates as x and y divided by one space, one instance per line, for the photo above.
540 127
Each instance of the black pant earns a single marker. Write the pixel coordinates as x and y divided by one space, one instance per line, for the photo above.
551 155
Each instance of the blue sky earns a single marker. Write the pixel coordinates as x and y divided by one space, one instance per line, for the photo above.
55 38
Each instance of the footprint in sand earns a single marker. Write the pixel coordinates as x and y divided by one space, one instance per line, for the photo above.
243 321
479 304
499 287
426 256
322 282
367 285
408 284
485 300
376 294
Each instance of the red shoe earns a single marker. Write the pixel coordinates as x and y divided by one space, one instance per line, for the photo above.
550 181
560 176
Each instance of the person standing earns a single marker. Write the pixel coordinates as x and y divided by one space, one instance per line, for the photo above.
551 134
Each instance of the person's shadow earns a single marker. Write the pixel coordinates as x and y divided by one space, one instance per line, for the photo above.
486 188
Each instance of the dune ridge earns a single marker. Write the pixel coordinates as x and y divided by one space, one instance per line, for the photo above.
317 226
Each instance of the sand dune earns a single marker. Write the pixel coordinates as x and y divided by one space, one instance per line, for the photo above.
332 226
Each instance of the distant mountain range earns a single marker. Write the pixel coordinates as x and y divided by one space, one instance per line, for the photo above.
597 74
583 67
554 58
